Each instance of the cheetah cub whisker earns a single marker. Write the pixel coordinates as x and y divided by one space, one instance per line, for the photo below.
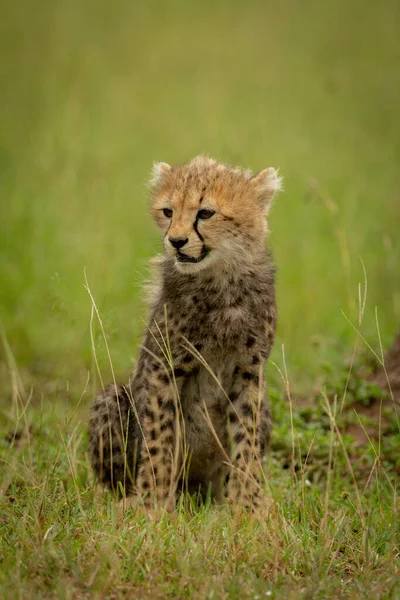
196 408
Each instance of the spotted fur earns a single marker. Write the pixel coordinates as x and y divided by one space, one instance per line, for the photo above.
195 409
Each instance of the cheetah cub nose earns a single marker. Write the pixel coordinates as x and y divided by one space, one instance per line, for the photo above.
178 242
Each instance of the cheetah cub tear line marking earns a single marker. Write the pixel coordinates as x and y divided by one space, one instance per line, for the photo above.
195 410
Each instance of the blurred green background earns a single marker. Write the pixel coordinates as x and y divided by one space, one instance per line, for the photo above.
92 93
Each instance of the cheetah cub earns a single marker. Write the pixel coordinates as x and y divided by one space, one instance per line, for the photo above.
195 411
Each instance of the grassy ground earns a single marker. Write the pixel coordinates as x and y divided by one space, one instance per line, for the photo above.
329 529
93 93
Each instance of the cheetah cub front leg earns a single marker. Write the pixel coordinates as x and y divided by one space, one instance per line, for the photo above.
248 417
158 457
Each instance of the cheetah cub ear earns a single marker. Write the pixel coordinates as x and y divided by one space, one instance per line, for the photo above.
266 184
159 172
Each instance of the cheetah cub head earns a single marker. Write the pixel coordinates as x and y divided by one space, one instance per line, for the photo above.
210 213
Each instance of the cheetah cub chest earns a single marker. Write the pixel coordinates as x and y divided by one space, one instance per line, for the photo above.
195 409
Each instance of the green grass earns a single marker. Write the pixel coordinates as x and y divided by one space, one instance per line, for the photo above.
330 524
95 93
91 94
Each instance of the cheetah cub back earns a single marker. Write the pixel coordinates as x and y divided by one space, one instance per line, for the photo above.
195 409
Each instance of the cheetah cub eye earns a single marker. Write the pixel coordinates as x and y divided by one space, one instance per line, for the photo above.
205 213
167 213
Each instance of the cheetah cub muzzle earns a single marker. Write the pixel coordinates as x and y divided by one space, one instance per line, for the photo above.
195 411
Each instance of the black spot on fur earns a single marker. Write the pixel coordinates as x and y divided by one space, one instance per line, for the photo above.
153 451
195 300
247 410
179 372
233 418
255 360
270 319
164 377
149 413
246 454
247 376
251 340
170 406
233 396
198 347
153 434
187 358
219 409
239 437
236 370
206 307
146 485
167 425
